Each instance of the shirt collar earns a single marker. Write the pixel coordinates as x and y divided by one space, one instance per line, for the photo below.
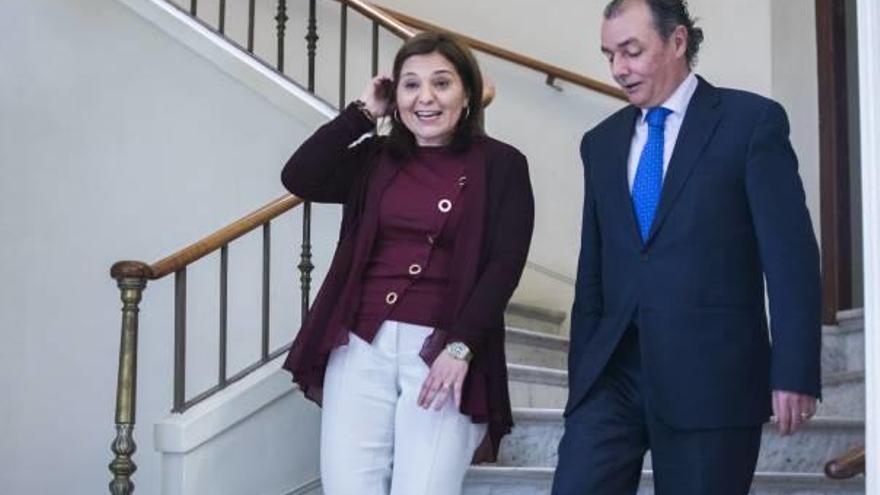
679 99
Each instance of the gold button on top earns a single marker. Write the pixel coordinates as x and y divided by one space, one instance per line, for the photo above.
430 239
444 205
391 297
415 269
462 181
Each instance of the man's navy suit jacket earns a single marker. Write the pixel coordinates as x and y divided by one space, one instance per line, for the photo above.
732 213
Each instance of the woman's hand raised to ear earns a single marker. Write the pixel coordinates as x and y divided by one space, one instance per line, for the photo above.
377 96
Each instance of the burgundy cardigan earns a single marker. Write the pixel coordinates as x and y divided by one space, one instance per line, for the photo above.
489 255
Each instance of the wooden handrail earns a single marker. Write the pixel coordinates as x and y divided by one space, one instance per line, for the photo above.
207 245
848 465
551 71
377 14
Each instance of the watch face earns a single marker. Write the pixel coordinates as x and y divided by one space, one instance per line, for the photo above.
458 350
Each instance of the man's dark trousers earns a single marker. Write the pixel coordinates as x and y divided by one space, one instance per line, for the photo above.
607 435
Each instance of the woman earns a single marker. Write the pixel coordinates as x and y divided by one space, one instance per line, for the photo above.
404 345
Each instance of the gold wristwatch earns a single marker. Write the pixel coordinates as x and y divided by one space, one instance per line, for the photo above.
459 351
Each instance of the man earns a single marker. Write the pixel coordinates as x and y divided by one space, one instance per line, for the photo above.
692 199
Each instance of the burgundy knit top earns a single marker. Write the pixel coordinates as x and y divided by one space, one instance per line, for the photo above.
407 274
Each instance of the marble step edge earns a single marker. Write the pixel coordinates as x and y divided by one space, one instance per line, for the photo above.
848 322
851 315
507 474
559 377
843 378
541 375
553 316
535 414
842 330
543 340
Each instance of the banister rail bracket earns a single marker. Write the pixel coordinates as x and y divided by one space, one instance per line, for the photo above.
551 81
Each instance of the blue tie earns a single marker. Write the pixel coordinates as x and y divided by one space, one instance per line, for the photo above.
648 181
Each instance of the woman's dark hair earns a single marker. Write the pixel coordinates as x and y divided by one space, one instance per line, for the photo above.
401 141
668 15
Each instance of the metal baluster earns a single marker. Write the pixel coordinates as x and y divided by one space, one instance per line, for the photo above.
250 40
222 22
375 48
311 44
305 264
131 277
281 20
179 340
343 40
224 314
193 7
267 243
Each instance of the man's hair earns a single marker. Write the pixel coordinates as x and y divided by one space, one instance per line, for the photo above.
668 14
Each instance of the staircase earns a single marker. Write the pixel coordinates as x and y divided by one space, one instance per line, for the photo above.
537 352
786 465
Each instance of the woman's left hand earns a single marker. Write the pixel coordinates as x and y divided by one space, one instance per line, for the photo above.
446 375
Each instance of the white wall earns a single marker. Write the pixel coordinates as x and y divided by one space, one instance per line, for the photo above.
247 439
116 142
796 87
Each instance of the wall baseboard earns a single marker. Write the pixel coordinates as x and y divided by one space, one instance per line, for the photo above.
308 488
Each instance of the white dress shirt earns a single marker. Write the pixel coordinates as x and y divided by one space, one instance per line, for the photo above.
678 103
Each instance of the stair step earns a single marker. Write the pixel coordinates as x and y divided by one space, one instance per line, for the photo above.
499 480
843 346
540 386
536 434
536 348
534 318
843 394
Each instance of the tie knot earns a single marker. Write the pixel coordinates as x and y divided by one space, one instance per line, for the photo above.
657 116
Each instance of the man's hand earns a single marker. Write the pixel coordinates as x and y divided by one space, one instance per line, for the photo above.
792 410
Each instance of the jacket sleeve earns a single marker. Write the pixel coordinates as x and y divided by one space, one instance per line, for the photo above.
789 254
509 238
587 308
326 165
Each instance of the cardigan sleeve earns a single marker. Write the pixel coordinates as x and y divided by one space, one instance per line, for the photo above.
509 238
326 165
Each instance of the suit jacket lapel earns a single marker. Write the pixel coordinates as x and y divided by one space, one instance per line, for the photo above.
619 144
699 125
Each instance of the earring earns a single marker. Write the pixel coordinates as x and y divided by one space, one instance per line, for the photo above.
467 112
396 115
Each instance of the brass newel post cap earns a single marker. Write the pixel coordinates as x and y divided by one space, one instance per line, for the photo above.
130 269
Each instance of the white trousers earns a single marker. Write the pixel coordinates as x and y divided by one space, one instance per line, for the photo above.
375 439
